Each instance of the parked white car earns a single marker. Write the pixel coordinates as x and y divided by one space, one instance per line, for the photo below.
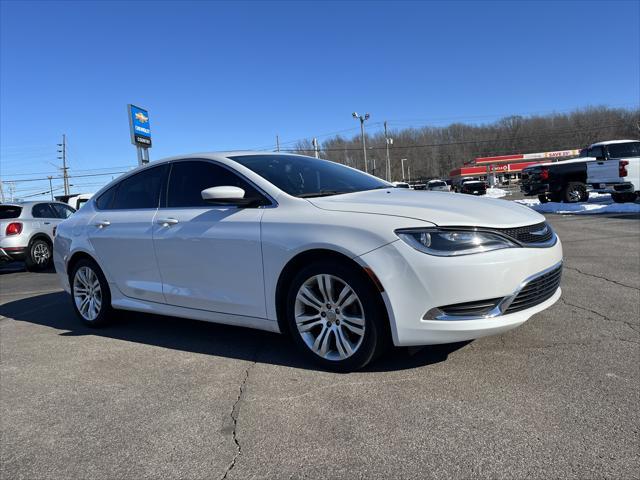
437 186
338 259
78 201
615 169
27 230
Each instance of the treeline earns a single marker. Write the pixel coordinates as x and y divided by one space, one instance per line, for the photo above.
435 151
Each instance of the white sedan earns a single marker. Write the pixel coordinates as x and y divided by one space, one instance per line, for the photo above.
339 260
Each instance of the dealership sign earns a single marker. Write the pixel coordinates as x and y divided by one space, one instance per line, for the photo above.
139 126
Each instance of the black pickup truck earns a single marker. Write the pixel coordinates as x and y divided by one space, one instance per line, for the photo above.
564 181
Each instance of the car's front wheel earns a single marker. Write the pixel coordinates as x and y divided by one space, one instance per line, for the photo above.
90 293
575 192
336 315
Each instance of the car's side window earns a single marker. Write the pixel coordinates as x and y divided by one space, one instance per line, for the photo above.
43 210
189 178
104 201
63 211
597 152
141 190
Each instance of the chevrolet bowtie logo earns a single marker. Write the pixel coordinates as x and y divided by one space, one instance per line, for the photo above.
141 117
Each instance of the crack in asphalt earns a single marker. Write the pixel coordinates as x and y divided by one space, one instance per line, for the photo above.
601 277
628 324
235 412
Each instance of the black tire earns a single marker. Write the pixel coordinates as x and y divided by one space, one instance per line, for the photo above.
39 254
105 311
623 197
575 192
543 198
375 338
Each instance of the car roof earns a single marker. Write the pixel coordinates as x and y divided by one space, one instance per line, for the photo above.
610 142
28 203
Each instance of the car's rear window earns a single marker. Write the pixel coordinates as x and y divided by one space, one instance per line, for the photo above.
9 211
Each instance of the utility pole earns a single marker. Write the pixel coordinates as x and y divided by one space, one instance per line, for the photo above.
364 144
51 187
315 147
277 143
63 157
402 160
389 141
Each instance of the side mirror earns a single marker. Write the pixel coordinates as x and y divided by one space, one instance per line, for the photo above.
227 195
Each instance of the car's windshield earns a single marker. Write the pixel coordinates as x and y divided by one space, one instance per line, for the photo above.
309 177
9 211
624 150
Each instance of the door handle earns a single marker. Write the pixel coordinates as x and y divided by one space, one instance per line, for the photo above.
47 223
167 222
103 223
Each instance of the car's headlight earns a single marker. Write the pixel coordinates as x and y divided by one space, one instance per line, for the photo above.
449 243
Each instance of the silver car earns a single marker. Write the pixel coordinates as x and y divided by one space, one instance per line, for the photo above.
437 185
27 230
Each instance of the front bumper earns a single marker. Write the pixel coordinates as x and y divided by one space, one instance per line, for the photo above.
534 188
416 283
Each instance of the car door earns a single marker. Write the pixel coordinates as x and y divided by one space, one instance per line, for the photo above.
46 218
210 256
121 233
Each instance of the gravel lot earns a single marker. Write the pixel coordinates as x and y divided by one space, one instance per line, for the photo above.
157 397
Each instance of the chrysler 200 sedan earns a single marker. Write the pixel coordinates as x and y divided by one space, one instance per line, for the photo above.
340 260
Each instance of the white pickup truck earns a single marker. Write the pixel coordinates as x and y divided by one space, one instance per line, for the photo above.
615 169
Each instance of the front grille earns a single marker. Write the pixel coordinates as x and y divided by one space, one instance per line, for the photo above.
474 309
536 291
539 233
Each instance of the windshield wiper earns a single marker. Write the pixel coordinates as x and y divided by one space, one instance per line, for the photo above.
321 193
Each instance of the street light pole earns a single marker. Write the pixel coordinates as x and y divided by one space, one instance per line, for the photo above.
364 144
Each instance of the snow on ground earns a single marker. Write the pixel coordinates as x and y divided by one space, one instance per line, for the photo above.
496 193
598 203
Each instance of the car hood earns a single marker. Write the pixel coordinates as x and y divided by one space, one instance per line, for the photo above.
439 208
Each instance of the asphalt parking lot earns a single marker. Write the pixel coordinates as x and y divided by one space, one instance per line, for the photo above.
157 397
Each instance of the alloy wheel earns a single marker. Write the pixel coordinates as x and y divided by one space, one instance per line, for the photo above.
41 253
329 317
87 293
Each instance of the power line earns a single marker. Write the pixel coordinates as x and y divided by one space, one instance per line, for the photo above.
464 142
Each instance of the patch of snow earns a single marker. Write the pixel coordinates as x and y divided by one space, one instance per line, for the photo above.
598 203
496 193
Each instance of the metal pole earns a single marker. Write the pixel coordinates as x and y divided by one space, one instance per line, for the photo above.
364 144
388 141
140 158
277 143
51 187
65 174
402 160
315 147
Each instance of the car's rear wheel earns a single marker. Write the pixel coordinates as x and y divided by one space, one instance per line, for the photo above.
336 316
90 293
543 198
624 197
575 192
38 255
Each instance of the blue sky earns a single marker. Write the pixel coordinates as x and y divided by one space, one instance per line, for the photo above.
217 75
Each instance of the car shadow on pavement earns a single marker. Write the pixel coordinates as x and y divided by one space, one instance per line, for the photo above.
14 267
54 310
